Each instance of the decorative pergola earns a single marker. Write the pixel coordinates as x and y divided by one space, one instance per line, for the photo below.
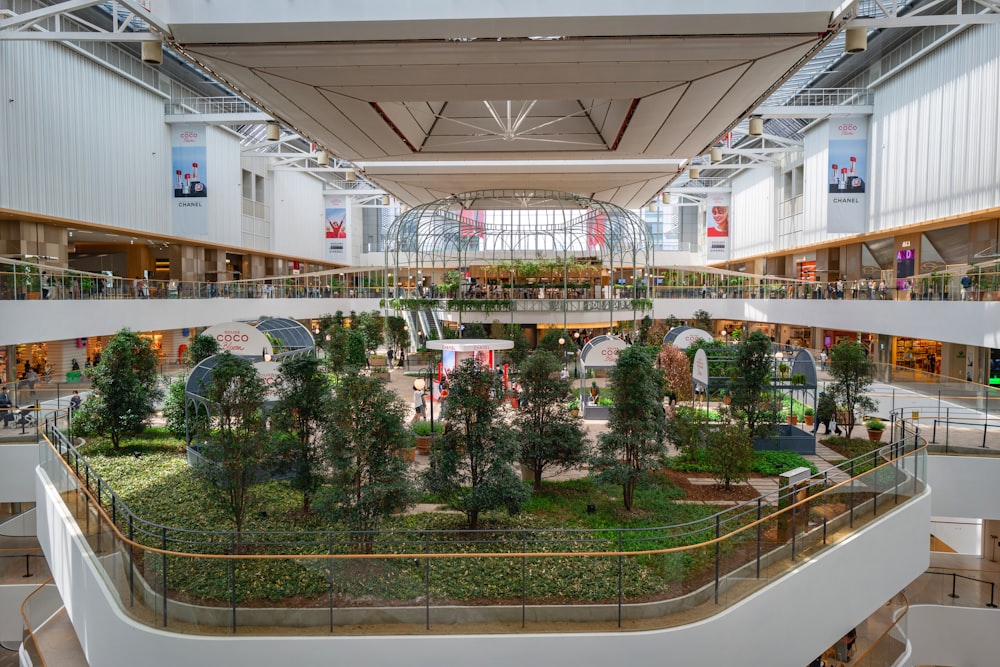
487 232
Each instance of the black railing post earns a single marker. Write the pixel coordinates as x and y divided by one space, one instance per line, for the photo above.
851 501
758 534
131 563
794 503
329 576
717 534
620 567
232 579
163 544
427 581
991 604
27 566
825 499
524 591
954 579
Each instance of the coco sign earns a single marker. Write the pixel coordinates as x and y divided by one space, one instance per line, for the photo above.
268 371
239 338
602 352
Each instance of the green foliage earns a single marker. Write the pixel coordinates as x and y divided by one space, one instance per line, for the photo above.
238 445
853 374
642 305
550 439
808 412
480 305
703 321
423 428
729 452
369 480
297 419
356 351
522 347
685 431
202 347
875 424
637 429
173 412
550 341
472 465
395 328
749 384
125 387
774 463
333 340
372 326
474 330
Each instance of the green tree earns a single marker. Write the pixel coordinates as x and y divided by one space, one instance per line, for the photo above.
396 334
729 451
124 385
472 465
750 382
853 374
371 326
202 347
703 320
361 449
549 437
645 326
356 352
550 341
635 442
473 330
332 339
237 449
522 346
183 421
298 418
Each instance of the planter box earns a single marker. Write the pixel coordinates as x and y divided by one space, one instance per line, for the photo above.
789 438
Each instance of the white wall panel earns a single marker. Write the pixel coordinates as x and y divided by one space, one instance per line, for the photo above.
80 142
298 215
225 195
936 149
754 211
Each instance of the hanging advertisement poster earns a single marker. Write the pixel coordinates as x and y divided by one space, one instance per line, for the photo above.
847 198
595 230
189 179
717 223
336 228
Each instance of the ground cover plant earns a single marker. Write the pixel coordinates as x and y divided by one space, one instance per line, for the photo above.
159 486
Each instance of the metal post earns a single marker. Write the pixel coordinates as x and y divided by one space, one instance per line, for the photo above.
232 580
620 566
794 503
991 605
427 583
851 500
758 535
131 563
164 564
524 592
329 576
954 578
825 483
717 534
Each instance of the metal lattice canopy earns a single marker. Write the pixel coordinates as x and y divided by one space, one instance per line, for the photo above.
493 227
290 338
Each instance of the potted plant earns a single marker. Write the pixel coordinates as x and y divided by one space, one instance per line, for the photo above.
783 369
810 415
422 431
875 427
574 407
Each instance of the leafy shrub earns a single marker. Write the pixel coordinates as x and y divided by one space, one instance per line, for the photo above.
775 463
423 428
875 424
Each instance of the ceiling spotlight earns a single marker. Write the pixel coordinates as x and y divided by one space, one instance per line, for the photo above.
856 40
273 131
152 52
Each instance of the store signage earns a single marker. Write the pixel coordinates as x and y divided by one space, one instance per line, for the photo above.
699 369
602 351
268 372
240 338
847 198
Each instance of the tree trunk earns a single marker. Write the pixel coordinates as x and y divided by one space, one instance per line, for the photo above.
538 478
628 491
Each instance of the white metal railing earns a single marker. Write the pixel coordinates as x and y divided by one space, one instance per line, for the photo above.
209 105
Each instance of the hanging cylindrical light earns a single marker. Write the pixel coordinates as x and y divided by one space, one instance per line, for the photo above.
323 159
665 197
756 126
856 40
273 131
651 208
694 173
350 176
152 53
715 154
385 200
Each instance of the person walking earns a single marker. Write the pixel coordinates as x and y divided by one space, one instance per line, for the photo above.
418 404
6 414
